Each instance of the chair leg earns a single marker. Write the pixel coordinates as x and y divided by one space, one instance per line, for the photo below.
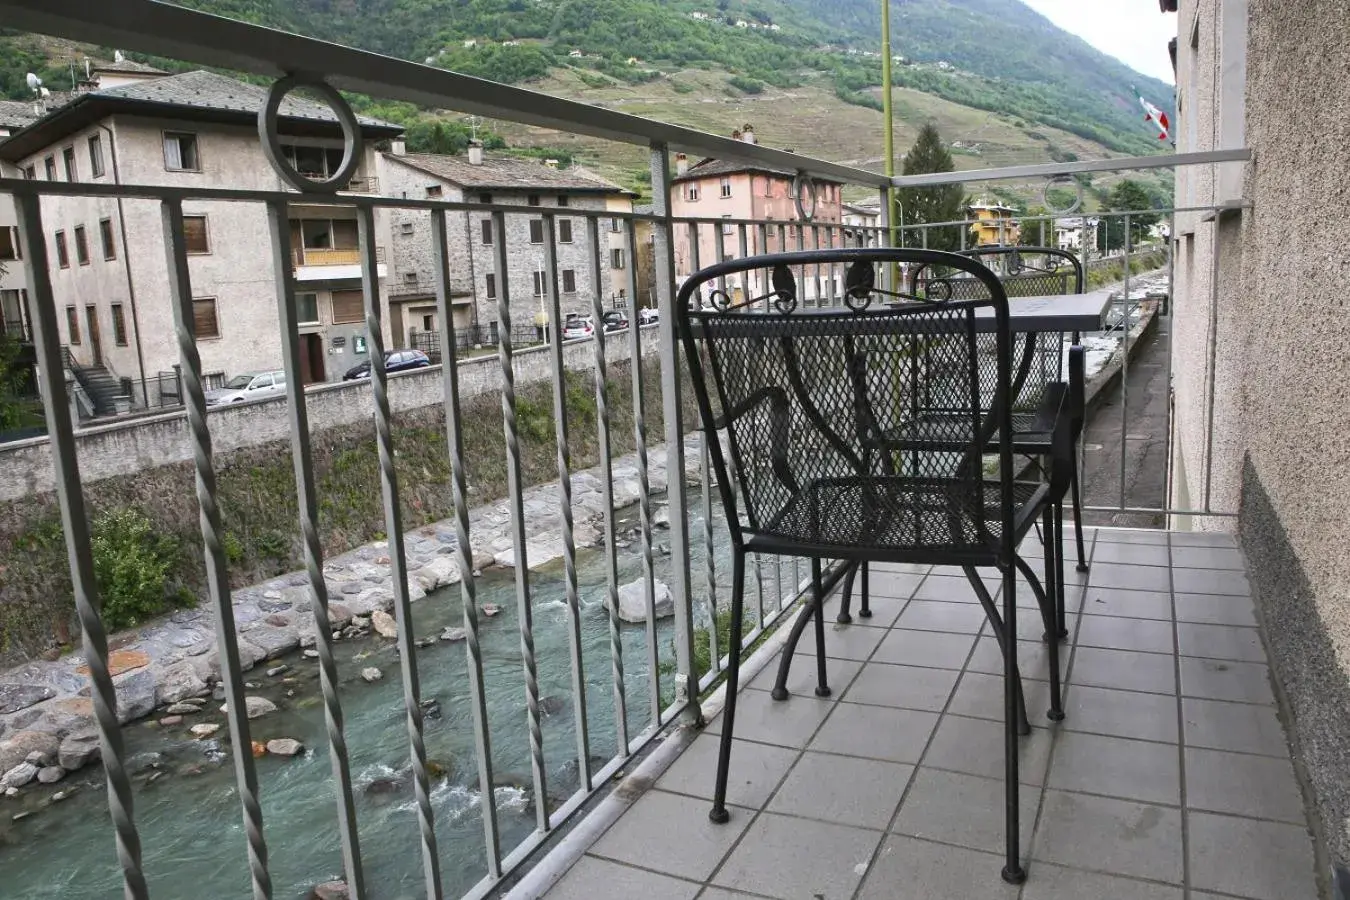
1060 592
780 691
865 597
818 593
1045 598
843 618
718 813
1009 662
1077 515
1013 873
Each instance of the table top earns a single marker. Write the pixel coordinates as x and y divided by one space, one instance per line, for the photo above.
1056 312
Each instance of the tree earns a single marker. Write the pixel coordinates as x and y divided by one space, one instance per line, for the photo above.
927 205
1036 229
1126 196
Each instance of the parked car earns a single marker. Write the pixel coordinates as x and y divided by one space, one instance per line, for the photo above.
614 320
249 386
394 361
648 316
577 327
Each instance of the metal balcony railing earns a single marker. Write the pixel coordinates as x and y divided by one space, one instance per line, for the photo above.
507 717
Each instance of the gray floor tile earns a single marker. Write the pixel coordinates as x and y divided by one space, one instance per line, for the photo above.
1126 536
895 735
861 792
896 585
948 588
885 610
1203 539
716 893
929 615
802 675
789 723
1047 882
1218 725
1112 633
1135 770
1033 658
1114 836
910 869
902 568
1133 578
790 858
591 878
842 641
1149 717
1124 670
1245 785
1220 642
1210 581
923 648
981 696
756 769
1215 609
1129 604
908 687
1130 554
690 845
1249 858
1206 558
975 747
1225 680
962 809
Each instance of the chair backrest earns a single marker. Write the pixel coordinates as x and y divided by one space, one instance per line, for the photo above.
815 398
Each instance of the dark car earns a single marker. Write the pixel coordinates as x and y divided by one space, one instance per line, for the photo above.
394 361
614 320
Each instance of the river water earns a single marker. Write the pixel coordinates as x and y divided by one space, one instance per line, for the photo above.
188 813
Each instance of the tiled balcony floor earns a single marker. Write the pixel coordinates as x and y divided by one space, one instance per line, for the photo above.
1169 778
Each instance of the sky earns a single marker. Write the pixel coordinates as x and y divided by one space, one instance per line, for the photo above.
1133 31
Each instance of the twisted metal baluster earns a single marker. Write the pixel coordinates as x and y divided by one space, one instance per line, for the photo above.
308 503
217 577
454 438
744 247
565 500
607 483
644 487
514 489
384 440
75 525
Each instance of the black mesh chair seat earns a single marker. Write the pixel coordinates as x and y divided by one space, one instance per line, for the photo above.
900 519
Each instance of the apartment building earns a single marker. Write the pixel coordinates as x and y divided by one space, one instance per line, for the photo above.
109 267
14 313
477 177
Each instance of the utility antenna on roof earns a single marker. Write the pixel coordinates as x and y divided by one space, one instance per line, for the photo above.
474 122
118 57
34 84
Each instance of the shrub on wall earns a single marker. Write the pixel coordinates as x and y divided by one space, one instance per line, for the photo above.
134 568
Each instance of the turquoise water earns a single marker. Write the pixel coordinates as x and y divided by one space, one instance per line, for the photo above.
189 815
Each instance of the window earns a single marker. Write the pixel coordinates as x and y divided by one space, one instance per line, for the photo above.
569 281
62 256
96 156
105 233
536 231
406 227
180 154
727 227
429 323
484 198
9 243
72 325
194 232
50 165
434 192
726 187
119 325
691 192
615 225
562 200
410 278
204 321
533 199
81 245
30 172
491 286
348 308
487 231
616 258
538 284
564 231
313 162
307 309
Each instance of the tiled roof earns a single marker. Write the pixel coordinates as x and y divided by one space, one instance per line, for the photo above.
129 66
16 113
505 173
709 168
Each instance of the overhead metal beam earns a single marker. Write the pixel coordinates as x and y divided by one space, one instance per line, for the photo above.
1049 170
150 26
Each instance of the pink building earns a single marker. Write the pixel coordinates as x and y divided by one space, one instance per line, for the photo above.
724 194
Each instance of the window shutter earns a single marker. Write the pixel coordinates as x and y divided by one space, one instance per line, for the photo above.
565 231
204 321
194 233
348 308
536 231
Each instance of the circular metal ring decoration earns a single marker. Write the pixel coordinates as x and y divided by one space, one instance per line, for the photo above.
785 302
720 300
802 185
939 289
271 139
1063 180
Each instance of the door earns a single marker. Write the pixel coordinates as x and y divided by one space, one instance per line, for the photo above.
95 342
311 359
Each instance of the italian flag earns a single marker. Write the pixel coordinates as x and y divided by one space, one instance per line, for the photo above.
1156 116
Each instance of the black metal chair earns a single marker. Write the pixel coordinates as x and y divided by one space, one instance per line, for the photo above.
819 407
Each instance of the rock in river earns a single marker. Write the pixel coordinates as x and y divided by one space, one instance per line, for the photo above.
371 674
384 624
633 601
285 747
20 775
256 706
51 774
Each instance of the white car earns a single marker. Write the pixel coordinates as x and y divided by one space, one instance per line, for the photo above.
577 328
648 316
249 386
